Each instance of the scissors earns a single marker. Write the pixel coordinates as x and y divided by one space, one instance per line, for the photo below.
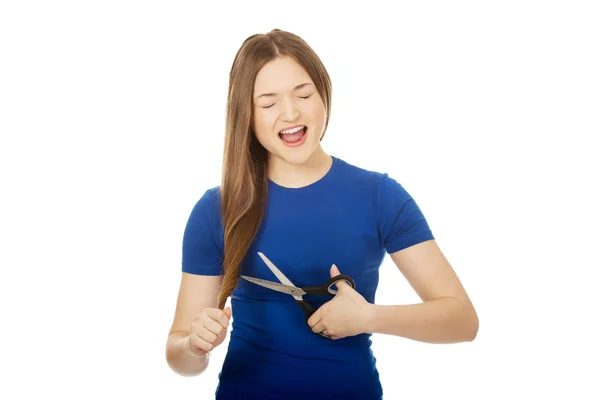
286 286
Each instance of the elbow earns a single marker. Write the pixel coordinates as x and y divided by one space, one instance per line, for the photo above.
472 326
180 361
186 370
466 323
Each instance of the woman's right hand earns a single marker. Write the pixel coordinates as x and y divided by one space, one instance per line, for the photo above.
208 330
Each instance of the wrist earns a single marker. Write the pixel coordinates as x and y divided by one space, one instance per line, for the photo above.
370 324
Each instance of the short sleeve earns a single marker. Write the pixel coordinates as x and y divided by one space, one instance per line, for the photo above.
401 222
202 252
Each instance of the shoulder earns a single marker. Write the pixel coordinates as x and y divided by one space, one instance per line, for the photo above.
210 198
361 176
381 188
208 206
214 193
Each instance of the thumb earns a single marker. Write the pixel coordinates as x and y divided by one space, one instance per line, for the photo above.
334 271
227 311
341 284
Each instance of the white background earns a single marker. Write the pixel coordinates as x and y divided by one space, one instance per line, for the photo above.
112 121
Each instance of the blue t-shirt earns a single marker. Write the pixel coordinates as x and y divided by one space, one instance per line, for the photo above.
350 217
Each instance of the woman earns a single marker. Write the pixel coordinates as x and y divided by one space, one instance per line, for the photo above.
314 216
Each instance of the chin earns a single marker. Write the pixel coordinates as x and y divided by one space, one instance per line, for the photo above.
296 159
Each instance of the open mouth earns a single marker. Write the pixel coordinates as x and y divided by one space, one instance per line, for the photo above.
292 136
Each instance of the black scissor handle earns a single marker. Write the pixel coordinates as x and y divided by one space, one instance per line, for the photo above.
307 308
328 289
309 311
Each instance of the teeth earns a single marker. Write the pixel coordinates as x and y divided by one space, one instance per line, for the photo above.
290 131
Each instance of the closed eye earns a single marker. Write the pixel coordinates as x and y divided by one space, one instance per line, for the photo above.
302 97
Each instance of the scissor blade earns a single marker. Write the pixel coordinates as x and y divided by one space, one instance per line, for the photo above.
282 278
291 290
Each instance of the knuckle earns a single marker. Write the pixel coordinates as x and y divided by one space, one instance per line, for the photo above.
203 335
202 319
206 346
198 318
197 346
203 345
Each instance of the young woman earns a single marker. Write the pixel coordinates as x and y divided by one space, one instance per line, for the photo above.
314 216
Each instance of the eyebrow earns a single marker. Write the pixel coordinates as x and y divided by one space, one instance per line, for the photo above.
273 94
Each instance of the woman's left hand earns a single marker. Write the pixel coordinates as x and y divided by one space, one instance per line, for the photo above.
347 314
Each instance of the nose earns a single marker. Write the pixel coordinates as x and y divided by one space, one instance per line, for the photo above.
289 112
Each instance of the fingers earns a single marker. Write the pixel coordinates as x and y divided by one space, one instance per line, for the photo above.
317 324
208 330
320 327
331 335
200 341
213 326
207 335
194 347
315 318
219 315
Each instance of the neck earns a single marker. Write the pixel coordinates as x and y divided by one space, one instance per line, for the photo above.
292 175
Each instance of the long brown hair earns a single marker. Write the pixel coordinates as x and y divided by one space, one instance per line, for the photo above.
244 181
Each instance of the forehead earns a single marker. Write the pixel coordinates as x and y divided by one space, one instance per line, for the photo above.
280 74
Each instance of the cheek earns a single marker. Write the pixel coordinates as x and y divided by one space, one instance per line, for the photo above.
316 111
263 126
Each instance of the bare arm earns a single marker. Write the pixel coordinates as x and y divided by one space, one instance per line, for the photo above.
446 314
196 293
